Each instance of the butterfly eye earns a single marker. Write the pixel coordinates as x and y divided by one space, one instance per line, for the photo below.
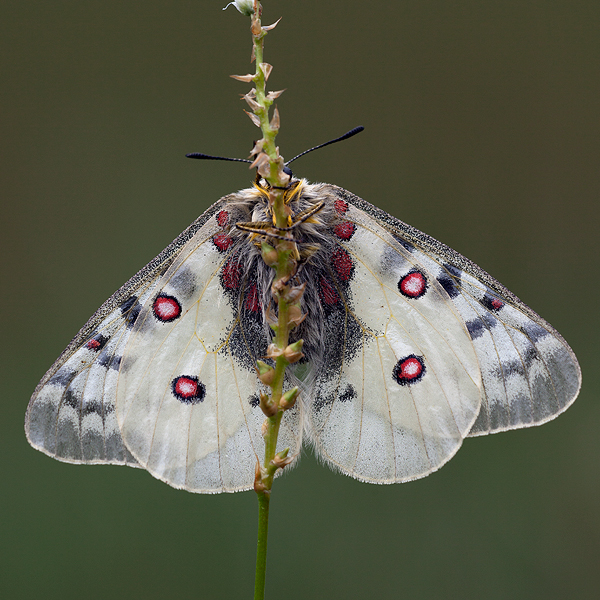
188 389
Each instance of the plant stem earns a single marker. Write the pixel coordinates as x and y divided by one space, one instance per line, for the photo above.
261 546
270 165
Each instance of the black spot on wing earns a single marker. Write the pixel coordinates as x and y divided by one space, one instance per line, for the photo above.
184 281
254 400
96 407
406 245
449 279
477 327
130 309
96 343
348 394
109 361
512 367
491 302
63 377
530 355
71 399
534 331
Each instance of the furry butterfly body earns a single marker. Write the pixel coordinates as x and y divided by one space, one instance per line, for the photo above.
409 348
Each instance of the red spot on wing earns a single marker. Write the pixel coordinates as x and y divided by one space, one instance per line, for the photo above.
413 285
409 370
93 345
252 301
222 241
188 389
344 230
166 308
340 206
231 274
327 292
342 264
223 218
497 304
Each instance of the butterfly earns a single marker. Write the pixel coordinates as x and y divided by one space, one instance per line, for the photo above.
409 348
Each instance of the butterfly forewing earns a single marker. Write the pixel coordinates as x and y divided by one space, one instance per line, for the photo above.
72 413
529 373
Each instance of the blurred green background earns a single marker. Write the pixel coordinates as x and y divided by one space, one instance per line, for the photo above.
482 129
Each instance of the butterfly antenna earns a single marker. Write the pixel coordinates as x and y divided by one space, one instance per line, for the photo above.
209 157
347 135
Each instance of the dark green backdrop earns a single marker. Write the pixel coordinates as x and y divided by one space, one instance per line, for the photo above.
482 128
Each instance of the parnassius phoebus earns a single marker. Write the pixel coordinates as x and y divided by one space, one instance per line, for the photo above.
409 347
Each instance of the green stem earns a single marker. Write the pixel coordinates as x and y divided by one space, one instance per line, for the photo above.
261 546
285 268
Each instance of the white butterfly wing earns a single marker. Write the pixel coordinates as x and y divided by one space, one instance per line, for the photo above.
187 394
72 415
412 348
406 389
529 373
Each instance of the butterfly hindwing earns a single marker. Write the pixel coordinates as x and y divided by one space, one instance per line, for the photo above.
405 388
187 398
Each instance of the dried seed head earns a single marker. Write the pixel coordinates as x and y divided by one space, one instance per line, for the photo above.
273 95
269 254
273 352
295 316
281 459
294 293
244 78
253 118
266 68
259 486
253 104
293 352
246 7
257 147
272 26
268 407
275 121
